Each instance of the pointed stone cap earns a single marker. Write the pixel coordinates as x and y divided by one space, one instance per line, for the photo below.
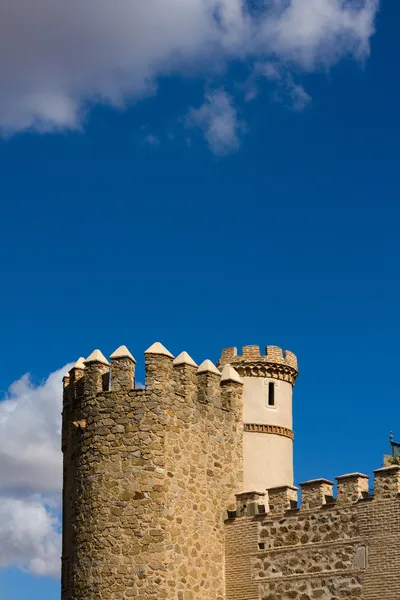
122 352
184 359
230 374
80 363
208 367
158 348
97 357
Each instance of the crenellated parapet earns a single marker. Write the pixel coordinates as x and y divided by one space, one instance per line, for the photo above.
275 363
96 375
317 494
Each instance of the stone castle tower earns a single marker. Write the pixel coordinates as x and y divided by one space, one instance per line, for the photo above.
184 490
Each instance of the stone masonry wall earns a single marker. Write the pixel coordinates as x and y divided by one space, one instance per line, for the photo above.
301 547
342 549
147 477
204 465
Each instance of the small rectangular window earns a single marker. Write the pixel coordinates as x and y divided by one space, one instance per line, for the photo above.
271 394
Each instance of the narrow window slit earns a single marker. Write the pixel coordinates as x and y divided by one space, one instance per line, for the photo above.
271 394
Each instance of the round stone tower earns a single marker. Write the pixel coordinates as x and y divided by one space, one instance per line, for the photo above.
267 414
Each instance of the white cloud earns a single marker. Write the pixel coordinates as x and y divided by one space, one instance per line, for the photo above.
218 120
30 425
318 33
57 57
31 475
29 536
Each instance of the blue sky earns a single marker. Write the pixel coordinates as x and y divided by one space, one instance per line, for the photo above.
253 198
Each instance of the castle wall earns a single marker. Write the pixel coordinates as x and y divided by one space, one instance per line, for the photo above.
148 476
312 555
339 549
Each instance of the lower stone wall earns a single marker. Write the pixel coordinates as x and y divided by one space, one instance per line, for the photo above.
335 552
310 555
314 588
302 561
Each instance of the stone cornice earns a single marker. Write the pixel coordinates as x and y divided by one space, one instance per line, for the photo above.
271 429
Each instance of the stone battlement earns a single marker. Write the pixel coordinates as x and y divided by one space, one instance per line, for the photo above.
96 375
318 494
275 363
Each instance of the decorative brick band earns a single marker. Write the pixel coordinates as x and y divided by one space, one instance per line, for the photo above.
274 429
264 368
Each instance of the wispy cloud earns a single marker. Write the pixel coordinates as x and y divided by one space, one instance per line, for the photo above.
31 475
59 58
218 120
151 140
284 89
